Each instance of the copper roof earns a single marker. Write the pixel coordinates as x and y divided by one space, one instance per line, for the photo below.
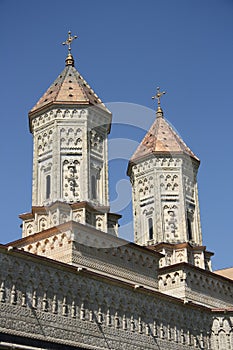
69 88
161 139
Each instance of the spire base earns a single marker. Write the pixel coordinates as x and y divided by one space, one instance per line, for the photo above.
159 112
69 60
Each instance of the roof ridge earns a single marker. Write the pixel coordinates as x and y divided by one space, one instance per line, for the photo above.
63 78
179 138
86 85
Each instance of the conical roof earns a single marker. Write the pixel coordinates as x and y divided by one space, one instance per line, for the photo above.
69 88
161 139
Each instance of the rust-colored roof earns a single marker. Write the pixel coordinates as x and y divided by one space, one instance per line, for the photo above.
228 272
161 139
69 88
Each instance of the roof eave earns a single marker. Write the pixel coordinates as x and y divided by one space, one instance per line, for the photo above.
34 112
136 160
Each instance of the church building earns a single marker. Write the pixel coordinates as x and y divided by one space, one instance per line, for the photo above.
71 282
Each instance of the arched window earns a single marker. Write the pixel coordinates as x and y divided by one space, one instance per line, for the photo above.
150 226
189 228
48 186
93 187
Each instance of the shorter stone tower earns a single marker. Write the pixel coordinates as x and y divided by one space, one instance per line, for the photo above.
163 174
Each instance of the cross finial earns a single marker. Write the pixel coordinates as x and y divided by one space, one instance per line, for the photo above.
158 96
69 40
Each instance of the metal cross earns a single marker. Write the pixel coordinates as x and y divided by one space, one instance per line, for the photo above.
158 95
69 40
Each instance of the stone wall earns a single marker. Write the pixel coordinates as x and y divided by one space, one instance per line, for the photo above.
197 285
86 247
222 330
52 301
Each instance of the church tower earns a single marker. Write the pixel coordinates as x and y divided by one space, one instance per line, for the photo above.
163 173
70 126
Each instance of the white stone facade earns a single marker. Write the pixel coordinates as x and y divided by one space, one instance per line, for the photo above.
165 197
43 300
70 146
196 285
70 166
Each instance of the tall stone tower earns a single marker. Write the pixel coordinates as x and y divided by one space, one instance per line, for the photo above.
163 174
70 126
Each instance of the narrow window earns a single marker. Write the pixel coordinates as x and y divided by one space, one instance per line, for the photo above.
150 224
93 187
189 227
48 186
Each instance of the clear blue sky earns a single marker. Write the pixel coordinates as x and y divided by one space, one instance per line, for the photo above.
125 49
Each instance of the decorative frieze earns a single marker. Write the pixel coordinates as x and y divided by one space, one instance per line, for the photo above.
222 331
62 306
53 215
102 253
196 285
43 120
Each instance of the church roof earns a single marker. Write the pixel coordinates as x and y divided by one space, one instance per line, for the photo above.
161 139
69 88
228 272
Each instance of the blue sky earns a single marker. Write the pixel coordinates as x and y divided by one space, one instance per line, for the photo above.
124 50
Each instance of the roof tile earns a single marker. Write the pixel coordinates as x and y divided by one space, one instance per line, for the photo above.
161 138
69 87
